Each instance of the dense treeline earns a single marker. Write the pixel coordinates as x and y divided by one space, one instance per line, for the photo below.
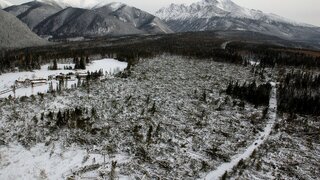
251 92
25 61
279 58
129 50
299 92
272 56
201 45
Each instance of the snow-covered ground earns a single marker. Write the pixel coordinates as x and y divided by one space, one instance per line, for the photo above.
224 45
290 152
170 117
52 162
7 80
228 167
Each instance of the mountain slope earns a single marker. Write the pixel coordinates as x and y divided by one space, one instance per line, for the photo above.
32 13
216 8
86 4
59 3
112 19
14 33
4 4
226 15
137 18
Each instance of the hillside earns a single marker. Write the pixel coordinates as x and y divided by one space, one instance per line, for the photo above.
14 33
112 19
32 13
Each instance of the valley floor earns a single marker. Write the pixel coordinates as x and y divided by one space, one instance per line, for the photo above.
8 80
170 119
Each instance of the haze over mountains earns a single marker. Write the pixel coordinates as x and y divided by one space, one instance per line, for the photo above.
4 4
226 15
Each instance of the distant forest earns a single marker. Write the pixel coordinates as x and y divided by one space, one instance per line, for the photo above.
131 48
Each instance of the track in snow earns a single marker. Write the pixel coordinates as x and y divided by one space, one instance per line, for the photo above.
272 114
224 45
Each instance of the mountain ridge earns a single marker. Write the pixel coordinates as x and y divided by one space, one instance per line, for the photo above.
220 8
87 4
226 15
33 12
49 18
110 19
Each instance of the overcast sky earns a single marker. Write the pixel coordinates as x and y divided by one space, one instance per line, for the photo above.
307 11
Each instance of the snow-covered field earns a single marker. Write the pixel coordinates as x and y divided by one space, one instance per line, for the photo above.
8 80
50 162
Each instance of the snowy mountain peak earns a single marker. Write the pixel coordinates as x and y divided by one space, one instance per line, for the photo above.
73 3
208 15
208 2
59 3
218 3
207 9
4 4
201 9
116 5
87 4
113 6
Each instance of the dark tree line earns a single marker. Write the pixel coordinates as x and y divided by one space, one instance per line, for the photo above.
299 92
79 117
296 59
94 75
203 46
80 63
23 61
251 92
200 45
271 56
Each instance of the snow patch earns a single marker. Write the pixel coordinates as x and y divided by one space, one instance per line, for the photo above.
116 5
224 45
47 162
108 66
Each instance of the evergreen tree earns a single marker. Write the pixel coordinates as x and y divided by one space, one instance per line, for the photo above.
82 64
55 65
